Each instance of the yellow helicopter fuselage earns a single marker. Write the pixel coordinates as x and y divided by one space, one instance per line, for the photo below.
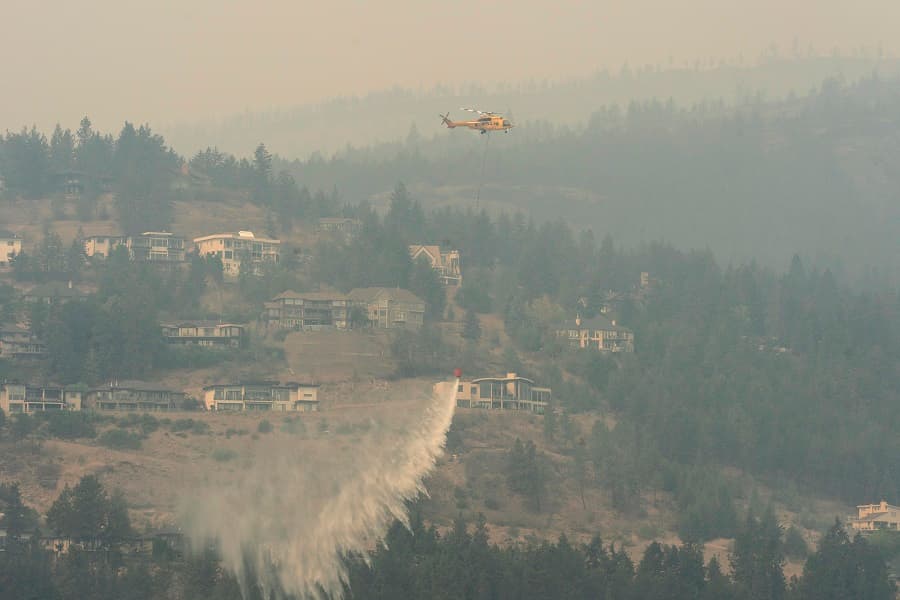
483 124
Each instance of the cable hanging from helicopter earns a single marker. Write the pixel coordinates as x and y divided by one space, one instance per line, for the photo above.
485 123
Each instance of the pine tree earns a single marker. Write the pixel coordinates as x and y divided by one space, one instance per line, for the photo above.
471 326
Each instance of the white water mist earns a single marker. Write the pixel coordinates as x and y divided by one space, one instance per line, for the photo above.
291 518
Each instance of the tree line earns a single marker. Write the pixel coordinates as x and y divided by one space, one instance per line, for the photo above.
420 562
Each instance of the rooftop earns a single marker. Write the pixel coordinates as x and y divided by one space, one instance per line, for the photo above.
598 322
240 235
370 294
274 384
311 295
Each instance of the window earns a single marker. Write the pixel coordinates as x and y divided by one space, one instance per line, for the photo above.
459 388
229 254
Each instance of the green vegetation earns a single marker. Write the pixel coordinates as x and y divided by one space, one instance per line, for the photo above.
418 562
120 439
223 454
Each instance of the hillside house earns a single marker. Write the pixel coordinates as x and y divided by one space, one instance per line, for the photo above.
19 342
70 183
28 398
875 517
597 332
262 395
150 246
102 245
55 292
212 334
134 396
503 393
240 250
445 262
10 245
343 225
308 311
155 246
389 308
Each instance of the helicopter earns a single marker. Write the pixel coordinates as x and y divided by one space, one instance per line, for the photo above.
486 121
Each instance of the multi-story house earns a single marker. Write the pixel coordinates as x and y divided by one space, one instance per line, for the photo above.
874 517
150 246
26 398
597 332
135 396
155 246
10 245
262 395
203 333
241 250
19 342
503 393
445 262
343 225
102 245
308 310
389 308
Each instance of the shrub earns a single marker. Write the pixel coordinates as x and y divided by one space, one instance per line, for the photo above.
120 439
224 454
264 426
794 544
293 425
191 425
70 425
22 426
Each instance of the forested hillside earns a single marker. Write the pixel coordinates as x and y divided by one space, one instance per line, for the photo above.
387 116
779 372
815 175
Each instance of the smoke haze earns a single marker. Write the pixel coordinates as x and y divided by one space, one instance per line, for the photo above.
291 518
177 61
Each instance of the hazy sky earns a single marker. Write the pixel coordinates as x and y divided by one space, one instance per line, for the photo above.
168 61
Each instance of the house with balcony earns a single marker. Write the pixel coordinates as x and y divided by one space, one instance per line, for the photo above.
134 396
503 393
150 246
389 308
308 311
19 342
599 333
210 334
10 246
29 398
240 251
102 245
155 247
444 262
875 517
262 395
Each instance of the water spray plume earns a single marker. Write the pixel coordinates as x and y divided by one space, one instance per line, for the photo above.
289 521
